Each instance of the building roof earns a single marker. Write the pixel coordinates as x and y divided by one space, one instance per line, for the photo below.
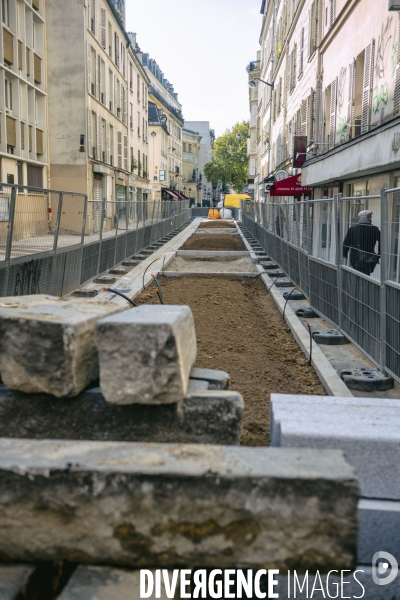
263 6
119 20
190 131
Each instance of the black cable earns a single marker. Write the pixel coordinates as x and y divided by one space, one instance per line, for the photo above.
275 280
106 289
158 289
147 268
287 300
309 329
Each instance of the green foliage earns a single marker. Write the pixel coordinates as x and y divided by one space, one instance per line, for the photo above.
230 163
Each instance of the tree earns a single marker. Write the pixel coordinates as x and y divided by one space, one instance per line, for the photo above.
230 161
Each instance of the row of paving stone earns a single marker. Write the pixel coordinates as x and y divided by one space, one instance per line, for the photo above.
131 504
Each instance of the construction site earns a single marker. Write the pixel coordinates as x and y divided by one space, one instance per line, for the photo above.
190 408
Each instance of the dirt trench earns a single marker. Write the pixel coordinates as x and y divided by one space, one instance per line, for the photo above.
217 224
214 242
240 330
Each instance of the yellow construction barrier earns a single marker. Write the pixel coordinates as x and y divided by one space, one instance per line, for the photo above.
213 213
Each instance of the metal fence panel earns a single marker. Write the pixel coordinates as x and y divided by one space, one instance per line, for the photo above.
323 289
32 276
393 329
360 307
90 261
66 271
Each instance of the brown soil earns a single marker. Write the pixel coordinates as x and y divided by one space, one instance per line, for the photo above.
218 224
214 242
240 330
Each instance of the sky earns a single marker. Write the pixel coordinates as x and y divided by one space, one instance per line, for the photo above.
203 48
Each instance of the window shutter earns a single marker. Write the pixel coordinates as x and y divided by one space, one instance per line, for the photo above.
367 87
90 141
107 84
316 24
332 122
124 105
332 12
294 69
121 101
98 77
22 136
289 70
125 152
115 95
99 136
107 143
11 132
396 108
301 51
103 28
310 29
351 99
120 149
312 107
89 67
304 110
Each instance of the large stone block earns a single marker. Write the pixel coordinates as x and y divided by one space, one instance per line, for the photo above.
379 523
205 417
366 430
146 354
13 580
47 343
106 583
176 505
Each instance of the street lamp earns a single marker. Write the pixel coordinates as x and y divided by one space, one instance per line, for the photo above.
153 133
252 83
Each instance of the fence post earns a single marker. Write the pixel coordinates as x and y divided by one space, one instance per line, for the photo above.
384 261
339 221
11 218
58 221
85 206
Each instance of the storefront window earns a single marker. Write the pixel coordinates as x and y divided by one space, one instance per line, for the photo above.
394 232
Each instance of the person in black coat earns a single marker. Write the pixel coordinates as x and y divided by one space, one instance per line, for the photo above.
360 242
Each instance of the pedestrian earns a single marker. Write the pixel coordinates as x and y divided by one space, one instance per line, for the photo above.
279 222
359 244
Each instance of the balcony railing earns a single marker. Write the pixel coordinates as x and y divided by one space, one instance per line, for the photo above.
171 109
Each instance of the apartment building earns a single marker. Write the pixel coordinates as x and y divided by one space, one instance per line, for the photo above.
253 139
205 155
23 104
165 129
190 166
138 125
336 95
88 70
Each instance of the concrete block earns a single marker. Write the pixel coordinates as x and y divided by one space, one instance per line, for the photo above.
379 529
85 293
372 448
146 354
47 343
217 380
214 417
13 580
106 583
136 505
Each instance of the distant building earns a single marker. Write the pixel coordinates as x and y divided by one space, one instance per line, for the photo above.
23 104
253 70
190 161
88 113
205 155
165 111
120 8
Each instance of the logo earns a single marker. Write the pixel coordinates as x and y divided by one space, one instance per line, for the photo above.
384 563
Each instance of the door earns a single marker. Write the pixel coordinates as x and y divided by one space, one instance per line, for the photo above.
98 201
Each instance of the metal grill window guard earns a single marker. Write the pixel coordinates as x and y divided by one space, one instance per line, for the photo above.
66 238
355 287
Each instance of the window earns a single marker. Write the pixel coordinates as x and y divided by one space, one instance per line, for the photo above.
35 176
111 144
109 40
130 77
138 128
139 165
93 16
190 148
5 6
8 88
301 52
116 48
131 115
184 146
138 88
143 93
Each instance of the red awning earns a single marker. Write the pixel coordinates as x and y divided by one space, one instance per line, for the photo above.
291 186
173 194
